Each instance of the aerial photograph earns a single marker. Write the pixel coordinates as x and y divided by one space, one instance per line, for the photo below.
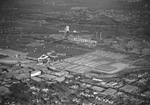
74 52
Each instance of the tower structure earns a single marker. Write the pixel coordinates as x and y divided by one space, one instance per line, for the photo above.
100 36
67 30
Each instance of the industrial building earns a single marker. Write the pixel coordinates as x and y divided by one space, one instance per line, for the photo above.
78 39
84 41
98 61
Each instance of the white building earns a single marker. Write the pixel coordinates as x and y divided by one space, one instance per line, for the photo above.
67 29
35 73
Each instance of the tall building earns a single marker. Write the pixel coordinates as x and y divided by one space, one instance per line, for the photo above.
67 29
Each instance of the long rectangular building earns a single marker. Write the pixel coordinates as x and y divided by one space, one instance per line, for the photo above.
99 61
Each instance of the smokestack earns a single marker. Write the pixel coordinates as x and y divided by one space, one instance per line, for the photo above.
96 35
100 36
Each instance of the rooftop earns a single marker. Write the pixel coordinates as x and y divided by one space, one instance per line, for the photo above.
99 61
